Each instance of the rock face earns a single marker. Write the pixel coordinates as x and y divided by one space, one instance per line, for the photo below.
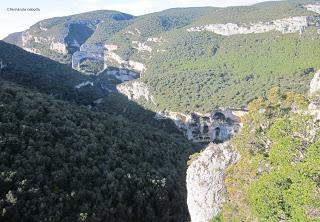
125 71
313 7
315 83
205 181
314 107
58 47
125 64
141 46
286 25
74 34
2 64
78 40
155 39
88 83
135 90
219 125
122 74
91 51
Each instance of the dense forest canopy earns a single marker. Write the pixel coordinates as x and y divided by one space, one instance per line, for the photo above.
62 160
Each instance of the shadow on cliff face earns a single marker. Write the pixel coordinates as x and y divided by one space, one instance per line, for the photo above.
158 190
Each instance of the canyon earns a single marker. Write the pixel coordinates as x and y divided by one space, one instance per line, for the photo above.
206 171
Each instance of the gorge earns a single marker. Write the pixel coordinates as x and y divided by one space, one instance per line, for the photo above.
201 114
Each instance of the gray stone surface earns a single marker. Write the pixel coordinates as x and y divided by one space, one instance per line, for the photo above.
205 181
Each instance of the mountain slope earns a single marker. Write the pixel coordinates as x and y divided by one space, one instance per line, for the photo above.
196 59
60 81
40 73
58 38
63 161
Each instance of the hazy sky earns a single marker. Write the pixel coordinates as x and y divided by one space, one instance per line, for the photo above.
19 21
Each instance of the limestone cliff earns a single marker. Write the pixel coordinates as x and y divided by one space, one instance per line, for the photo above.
89 51
315 83
206 173
219 125
286 25
313 7
121 63
314 107
136 90
205 181
66 42
122 74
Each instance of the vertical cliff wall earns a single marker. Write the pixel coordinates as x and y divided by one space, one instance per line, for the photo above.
205 181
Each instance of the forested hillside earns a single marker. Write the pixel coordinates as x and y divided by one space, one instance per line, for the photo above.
43 75
277 176
73 148
64 161
217 71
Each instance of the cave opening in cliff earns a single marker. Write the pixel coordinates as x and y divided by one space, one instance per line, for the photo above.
205 129
217 133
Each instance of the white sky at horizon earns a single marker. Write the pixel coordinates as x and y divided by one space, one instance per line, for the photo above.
18 21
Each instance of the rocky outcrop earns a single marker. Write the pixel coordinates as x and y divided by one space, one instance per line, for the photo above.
315 83
314 109
67 42
125 64
90 51
59 47
124 70
314 106
219 125
2 64
286 25
87 83
205 181
122 74
141 46
136 90
133 32
52 43
155 39
26 37
313 7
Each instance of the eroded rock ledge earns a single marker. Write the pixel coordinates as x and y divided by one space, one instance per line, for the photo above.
216 126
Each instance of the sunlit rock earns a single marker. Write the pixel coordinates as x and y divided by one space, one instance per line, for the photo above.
206 181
